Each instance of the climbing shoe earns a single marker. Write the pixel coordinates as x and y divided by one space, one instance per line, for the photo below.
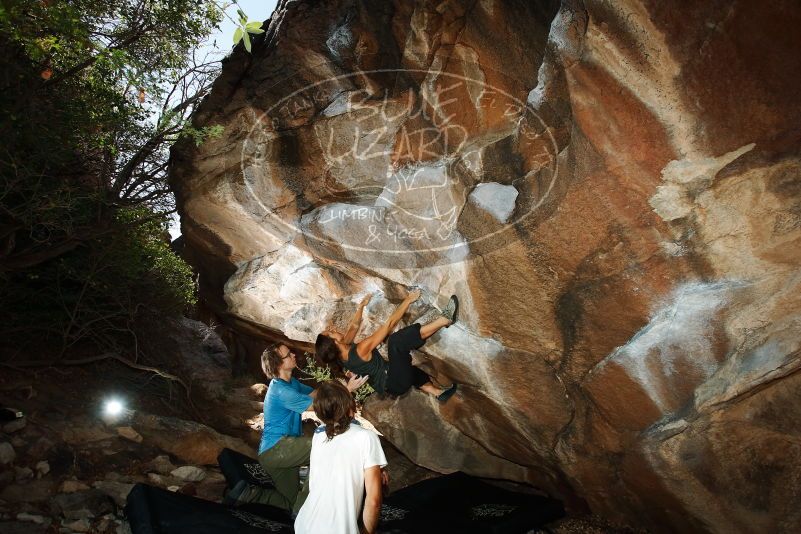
451 311
241 493
447 394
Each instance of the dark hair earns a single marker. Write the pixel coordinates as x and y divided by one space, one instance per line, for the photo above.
271 360
334 405
326 353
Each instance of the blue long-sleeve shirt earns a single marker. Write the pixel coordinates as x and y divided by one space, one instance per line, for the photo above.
283 404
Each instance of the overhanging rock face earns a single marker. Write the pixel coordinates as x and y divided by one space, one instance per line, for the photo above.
613 189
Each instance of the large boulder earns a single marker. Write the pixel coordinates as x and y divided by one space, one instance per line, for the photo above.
188 441
612 189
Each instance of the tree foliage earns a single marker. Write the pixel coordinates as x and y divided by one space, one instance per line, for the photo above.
92 95
244 28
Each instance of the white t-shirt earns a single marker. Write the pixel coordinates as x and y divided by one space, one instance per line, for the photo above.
336 481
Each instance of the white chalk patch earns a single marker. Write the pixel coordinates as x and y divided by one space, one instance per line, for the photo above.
679 332
496 199
672 199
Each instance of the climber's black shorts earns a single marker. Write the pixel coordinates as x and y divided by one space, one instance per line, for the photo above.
401 374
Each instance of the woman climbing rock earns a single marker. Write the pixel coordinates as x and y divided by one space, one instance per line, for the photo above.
339 353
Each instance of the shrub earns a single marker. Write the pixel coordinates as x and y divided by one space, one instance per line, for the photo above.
323 374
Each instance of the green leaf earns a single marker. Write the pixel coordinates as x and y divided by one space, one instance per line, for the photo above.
241 13
246 37
238 35
255 32
254 25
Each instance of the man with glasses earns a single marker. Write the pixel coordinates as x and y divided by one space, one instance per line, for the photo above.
283 448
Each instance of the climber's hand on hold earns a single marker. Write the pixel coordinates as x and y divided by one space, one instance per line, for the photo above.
355 382
412 296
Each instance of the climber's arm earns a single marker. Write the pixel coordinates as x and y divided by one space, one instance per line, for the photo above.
369 343
356 322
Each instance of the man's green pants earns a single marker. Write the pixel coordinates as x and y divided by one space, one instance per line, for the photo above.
282 462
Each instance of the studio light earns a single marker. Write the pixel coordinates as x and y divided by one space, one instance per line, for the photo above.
113 407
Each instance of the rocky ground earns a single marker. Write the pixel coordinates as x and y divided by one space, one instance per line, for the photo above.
66 466
65 469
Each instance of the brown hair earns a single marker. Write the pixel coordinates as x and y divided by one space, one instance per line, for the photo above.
326 353
271 360
335 406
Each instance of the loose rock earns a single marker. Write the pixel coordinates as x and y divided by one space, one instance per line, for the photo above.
193 443
42 468
162 464
189 473
82 504
7 453
71 486
81 525
22 473
40 448
23 527
15 425
129 433
31 491
38 519
116 490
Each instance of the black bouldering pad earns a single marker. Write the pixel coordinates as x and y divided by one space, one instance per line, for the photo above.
235 466
152 510
456 503
464 504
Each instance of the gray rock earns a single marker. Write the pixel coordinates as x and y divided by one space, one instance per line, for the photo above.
162 464
15 425
81 525
7 453
116 490
104 524
42 468
193 443
189 473
129 434
32 491
22 473
211 487
40 448
71 486
85 431
38 519
496 199
82 504
163 480
22 527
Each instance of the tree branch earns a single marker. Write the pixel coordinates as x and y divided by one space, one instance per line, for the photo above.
108 356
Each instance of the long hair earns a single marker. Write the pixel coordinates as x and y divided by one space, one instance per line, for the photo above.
334 405
326 353
271 360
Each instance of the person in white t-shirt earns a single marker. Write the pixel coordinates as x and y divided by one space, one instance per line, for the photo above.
346 462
